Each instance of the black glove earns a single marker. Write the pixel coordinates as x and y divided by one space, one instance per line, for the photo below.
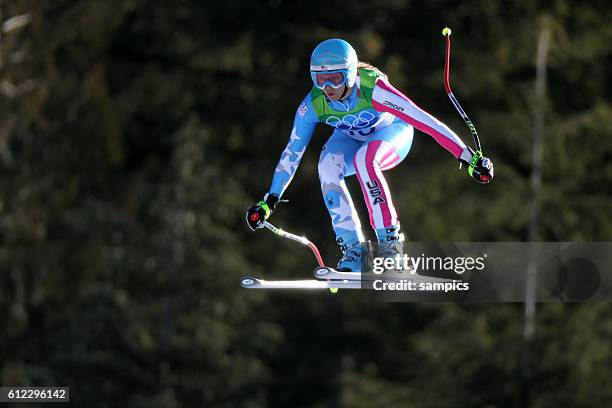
479 168
261 211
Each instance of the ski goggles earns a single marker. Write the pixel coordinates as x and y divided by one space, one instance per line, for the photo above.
335 79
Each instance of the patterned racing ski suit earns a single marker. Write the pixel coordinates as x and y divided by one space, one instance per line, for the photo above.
373 130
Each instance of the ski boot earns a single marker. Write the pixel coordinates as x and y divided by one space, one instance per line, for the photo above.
351 256
390 243
354 253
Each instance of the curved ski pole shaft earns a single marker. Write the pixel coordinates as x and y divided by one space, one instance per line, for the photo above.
447 32
293 237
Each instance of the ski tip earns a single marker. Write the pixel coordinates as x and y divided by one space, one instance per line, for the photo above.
247 282
322 272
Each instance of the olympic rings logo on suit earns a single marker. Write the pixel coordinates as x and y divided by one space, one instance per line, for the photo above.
350 122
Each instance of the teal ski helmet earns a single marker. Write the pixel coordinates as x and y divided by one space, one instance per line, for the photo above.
333 62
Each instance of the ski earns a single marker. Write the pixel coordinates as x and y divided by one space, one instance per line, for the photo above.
325 272
327 278
254 283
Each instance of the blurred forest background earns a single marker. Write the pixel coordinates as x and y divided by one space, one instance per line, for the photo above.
134 134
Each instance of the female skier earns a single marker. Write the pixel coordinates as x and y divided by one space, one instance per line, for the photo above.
373 126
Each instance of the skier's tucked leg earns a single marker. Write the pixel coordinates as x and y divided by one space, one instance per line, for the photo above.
382 152
335 163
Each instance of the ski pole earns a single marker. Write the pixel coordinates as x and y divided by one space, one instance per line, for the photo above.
447 33
293 237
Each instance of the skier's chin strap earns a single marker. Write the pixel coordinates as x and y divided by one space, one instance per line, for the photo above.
343 94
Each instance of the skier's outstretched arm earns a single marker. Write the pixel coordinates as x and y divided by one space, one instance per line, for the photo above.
386 98
303 126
